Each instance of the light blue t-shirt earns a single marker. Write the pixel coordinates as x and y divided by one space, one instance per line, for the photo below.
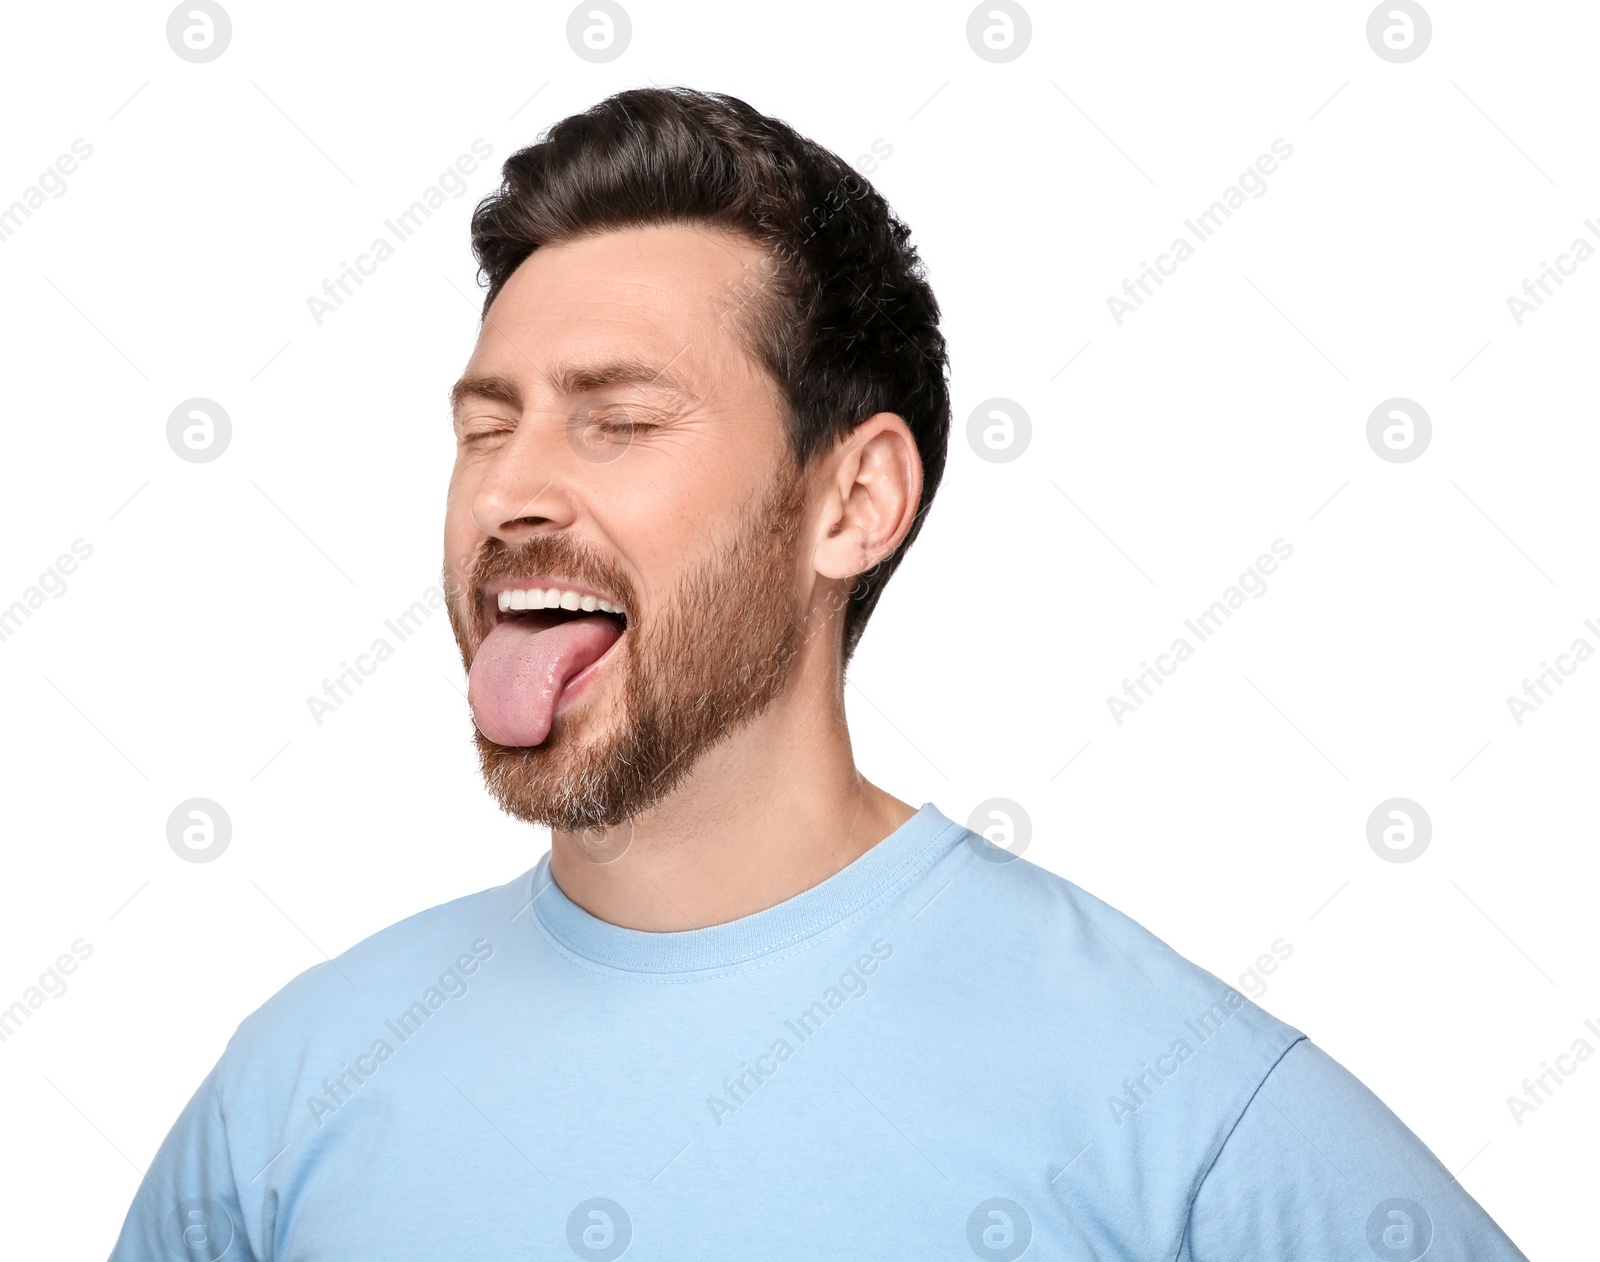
940 1052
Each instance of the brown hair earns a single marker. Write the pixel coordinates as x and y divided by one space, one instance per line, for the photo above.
844 319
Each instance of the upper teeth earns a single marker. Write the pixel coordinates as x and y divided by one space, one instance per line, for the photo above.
554 598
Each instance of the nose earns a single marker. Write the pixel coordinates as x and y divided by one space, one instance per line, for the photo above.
527 488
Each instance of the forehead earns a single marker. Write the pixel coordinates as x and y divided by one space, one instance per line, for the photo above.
660 293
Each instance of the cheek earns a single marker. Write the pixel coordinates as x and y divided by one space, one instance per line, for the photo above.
653 526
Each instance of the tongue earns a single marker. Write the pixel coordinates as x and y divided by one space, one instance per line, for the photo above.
520 671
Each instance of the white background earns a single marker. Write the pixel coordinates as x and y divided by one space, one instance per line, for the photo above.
1229 411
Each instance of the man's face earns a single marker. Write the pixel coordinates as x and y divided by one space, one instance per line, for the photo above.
616 442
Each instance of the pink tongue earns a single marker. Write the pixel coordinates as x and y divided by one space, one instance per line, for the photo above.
519 673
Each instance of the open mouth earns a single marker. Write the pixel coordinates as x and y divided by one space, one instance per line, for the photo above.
547 643
540 608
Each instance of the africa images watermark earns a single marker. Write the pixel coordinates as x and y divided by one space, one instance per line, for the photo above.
1252 180
338 1089
738 1088
52 984
735 295
1536 288
1537 1091
52 582
52 180
402 228
1538 690
339 689
1251 584
1140 1088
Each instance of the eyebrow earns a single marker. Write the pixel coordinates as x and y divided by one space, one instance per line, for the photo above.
489 386
568 379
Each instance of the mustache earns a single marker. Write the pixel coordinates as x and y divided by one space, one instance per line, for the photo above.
543 554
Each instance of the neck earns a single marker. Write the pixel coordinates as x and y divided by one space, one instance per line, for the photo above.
773 810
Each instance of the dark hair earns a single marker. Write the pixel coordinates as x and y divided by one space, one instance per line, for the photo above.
845 321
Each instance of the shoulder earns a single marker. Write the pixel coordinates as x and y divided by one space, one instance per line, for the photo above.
1105 990
1319 1166
433 955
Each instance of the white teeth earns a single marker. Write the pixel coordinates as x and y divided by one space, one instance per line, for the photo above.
513 598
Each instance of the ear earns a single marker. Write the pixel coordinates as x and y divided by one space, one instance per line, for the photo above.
871 483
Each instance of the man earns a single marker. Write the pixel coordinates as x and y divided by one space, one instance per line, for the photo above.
750 1005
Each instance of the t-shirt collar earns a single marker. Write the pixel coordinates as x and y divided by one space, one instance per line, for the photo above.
721 948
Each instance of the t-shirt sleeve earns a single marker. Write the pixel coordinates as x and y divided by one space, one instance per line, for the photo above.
187 1209
1317 1167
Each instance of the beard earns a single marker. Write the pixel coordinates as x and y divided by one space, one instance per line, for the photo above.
710 656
